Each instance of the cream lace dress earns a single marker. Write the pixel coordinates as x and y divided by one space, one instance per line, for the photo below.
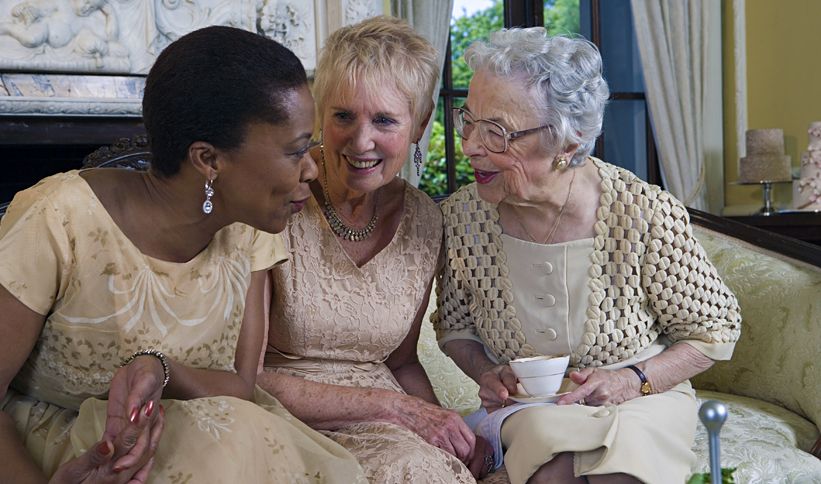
63 256
336 323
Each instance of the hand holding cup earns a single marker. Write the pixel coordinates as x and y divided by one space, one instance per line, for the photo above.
540 375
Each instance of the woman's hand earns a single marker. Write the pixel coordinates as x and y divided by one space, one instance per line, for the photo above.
439 427
599 387
98 464
133 403
482 461
495 387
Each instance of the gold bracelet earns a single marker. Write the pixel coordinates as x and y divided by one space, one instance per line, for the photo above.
166 370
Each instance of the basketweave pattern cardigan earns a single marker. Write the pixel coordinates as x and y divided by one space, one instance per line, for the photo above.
648 276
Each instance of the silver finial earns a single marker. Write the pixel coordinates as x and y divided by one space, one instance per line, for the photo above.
713 414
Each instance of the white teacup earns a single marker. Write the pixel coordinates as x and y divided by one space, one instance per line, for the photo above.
540 375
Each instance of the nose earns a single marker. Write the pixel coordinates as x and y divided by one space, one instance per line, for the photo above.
362 139
471 144
309 170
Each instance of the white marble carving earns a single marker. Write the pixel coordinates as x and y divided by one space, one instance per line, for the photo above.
337 13
124 37
61 35
357 10
291 23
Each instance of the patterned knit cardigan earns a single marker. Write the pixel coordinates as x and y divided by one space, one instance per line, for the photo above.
648 276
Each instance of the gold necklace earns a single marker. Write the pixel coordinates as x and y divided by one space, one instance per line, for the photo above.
337 225
558 217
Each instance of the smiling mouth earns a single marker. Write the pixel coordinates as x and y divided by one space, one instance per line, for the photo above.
483 177
362 164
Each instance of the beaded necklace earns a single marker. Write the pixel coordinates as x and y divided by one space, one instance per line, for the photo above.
334 220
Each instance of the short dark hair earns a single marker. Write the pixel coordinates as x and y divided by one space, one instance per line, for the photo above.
208 85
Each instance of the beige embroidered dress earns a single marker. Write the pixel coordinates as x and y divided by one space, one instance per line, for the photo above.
336 323
640 284
64 257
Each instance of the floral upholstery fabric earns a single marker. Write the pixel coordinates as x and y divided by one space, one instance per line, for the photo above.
772 385
762 441
777 357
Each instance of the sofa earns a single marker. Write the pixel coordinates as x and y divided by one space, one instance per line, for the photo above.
772 385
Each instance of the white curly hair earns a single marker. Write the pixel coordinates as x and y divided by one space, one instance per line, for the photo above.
564 73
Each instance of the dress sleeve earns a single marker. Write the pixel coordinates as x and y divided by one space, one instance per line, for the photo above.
692 304
36 250
267 250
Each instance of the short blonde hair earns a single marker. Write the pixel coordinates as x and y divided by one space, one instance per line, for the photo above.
376 52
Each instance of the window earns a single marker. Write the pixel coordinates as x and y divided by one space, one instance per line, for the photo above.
626 141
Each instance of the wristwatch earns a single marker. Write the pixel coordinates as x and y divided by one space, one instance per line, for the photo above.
645 388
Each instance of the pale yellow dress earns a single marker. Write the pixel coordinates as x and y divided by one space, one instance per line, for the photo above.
63 256
336 323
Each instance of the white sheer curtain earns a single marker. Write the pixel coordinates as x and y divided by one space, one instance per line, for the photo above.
431 18
675 38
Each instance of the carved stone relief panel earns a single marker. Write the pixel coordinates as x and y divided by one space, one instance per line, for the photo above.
122 38
292 24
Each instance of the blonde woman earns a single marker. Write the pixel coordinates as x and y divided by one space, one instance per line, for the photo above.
346 313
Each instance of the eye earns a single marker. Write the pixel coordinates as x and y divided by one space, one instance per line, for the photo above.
383 120
343 116
298 155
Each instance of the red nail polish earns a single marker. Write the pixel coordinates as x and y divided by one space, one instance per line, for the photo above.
134 415
149 408
103 448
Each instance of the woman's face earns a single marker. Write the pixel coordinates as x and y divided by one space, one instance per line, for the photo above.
366 136
520 173
265 180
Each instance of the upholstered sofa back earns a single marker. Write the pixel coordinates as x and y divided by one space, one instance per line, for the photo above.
777 358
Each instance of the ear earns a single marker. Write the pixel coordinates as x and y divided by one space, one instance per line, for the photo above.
420 130
570 150
203 157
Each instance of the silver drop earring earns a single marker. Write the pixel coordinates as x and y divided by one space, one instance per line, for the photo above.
417 160
207 205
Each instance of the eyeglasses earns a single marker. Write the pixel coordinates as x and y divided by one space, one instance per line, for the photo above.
493 135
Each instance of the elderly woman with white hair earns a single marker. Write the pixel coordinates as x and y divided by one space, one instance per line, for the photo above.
553 251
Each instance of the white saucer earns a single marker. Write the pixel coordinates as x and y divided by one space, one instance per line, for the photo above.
537 399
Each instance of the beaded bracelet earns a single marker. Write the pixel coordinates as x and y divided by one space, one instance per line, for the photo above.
166 370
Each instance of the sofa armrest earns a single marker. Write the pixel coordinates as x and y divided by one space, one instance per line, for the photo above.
775 359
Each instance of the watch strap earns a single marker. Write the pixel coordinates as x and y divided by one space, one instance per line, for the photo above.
645 388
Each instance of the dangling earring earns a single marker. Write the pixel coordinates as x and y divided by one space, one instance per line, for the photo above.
560 162
417 160
207 205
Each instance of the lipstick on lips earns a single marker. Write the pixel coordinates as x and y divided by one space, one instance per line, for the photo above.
483 177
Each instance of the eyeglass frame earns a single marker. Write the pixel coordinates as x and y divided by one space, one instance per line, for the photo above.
459 116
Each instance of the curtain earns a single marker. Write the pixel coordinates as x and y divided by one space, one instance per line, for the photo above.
431 19
674 38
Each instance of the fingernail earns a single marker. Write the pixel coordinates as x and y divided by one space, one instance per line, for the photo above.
134 415
149 408
103 448
118 469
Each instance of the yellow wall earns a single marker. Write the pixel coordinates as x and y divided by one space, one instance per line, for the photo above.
783 82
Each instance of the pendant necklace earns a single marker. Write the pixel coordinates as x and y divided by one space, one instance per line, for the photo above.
558 217
334 220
